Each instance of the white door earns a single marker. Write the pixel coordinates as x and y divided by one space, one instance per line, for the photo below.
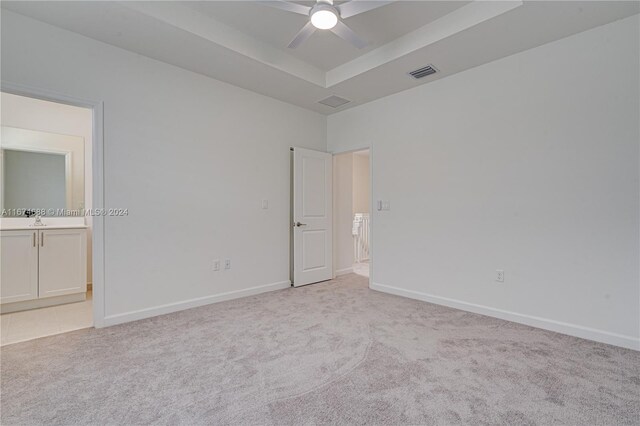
63 262
19 274
312 226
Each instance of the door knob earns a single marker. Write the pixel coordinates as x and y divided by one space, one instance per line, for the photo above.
300 224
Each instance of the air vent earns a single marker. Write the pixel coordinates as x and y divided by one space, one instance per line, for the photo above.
334 101
423 72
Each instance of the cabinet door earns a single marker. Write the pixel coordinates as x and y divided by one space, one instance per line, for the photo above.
63 262
19 273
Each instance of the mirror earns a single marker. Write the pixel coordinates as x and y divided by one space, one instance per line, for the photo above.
42 173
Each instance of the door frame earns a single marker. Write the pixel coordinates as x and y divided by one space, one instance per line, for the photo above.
97 172
372 205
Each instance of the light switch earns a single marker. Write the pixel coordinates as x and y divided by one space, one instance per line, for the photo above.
265 204
383 205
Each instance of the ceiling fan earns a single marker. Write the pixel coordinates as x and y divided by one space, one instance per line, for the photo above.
325 16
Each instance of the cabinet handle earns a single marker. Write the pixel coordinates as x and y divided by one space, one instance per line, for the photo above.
42 239
34 239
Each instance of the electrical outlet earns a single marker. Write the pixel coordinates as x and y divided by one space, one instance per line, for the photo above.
216 265
499 275
227 264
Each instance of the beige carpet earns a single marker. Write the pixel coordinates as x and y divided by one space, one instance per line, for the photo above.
334 352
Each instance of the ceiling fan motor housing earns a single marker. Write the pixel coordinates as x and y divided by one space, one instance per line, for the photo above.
329 2
324 6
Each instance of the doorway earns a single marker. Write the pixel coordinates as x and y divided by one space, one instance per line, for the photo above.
352 210
46 191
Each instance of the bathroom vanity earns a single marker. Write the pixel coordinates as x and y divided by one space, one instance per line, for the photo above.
44 259
42 266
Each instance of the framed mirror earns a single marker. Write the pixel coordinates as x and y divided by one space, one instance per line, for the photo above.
41 173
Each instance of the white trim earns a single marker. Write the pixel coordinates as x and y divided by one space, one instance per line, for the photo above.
97 171
455 22
602 336
192 303
372 214
227 37
344 271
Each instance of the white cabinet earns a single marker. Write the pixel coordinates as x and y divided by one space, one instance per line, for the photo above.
63 262
19 273
43 263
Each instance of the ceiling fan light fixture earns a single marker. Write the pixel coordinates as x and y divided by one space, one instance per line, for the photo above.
324 18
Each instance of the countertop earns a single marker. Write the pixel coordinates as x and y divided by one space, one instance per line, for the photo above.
33 228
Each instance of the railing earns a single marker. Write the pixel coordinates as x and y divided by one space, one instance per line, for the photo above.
360 237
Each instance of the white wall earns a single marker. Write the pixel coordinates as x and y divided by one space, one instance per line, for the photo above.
342 213
361 182
189 156
528 164
35 114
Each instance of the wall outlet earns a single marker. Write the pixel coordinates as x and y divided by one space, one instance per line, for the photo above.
216 265
227 264
500 275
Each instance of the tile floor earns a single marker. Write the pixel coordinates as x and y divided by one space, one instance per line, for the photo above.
26 325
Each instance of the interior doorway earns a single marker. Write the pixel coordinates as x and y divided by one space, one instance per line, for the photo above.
352 210
46 194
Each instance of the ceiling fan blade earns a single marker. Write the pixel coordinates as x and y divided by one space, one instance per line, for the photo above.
302 35
356 7
342 31
288 6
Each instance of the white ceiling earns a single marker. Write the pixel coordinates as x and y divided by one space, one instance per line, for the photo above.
244 42
324 49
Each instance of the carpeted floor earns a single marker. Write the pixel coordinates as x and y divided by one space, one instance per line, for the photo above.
333 352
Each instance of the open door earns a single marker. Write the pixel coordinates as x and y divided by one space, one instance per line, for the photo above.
312 222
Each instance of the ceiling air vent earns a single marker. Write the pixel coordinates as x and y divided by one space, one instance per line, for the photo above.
334 101
423 72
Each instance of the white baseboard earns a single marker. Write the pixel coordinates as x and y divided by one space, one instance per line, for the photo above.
344 271
192 303
628 342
